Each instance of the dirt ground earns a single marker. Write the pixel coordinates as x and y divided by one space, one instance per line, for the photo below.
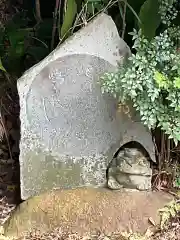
171 233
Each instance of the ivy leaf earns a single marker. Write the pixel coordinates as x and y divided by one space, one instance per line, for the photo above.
150 18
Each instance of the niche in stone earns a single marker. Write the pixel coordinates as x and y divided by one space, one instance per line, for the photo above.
130 168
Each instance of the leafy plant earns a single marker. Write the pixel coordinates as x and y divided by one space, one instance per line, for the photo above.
171 210
94 6
76 13
70 11
1 66
151 77
150 18
18 42
177 182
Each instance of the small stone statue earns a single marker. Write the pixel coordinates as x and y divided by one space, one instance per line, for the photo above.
129 169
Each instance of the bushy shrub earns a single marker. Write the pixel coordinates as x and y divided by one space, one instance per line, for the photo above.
151 77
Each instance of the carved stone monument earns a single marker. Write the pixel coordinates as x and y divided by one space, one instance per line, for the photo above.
69 130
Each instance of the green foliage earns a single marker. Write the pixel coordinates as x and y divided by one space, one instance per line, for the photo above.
177 182
22 46
18 42
79 12
70 11
171 210
95 5
151 80
1 66
168 11
150 18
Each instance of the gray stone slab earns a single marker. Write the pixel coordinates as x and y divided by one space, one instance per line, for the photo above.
69 130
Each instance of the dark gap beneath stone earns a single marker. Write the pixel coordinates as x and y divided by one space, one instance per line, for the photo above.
9 167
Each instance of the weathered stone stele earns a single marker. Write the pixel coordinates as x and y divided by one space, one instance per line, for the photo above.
69 130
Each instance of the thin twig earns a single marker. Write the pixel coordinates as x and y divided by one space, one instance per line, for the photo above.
45 45
156 148
161 151
55 23
124 20
6 134
168 150
110 4
132 10
38 11
59 19
78 17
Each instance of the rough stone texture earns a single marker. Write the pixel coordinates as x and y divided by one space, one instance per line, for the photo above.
87 210
69 130
130 169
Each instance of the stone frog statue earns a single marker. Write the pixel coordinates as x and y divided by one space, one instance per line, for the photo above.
130 169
